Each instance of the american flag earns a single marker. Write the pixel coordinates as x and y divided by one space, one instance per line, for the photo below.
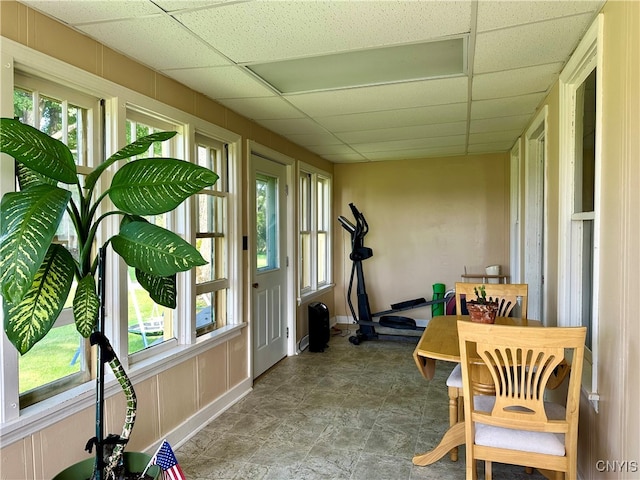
166 460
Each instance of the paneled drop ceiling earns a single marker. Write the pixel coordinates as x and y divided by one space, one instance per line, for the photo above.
513 54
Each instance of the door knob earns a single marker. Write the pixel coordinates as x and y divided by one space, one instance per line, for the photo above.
255 285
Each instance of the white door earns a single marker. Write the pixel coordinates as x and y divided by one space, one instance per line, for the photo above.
269 278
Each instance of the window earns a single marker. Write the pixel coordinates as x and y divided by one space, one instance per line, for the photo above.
212 279
66 115
581 119
61 373
315 229
148 323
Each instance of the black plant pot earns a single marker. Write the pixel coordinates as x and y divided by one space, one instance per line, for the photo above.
133 461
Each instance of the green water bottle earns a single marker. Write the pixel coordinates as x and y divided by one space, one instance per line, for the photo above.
438 292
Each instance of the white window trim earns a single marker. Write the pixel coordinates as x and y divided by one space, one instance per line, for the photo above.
515 195
587 56
535 228
315 289
17 424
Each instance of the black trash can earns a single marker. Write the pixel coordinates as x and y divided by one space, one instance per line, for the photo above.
319 330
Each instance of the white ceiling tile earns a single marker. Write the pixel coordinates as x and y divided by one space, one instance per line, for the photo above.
293 126
494 14
75 12
262 108
139 39
345 158
399 118
510 83
404 133
491 147
456 140
501 124
444 151
322 27
315 139
209 44
386 97
494 137
502 107
221 82
533 44
184 5
331 149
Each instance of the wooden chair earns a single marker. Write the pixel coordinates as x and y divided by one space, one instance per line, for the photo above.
515 425
507 296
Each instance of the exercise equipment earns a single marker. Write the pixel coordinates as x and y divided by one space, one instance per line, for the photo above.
364 318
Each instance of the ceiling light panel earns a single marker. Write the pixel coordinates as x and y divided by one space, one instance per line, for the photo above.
400 63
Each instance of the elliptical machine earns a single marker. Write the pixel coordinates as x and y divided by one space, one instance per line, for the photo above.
359 253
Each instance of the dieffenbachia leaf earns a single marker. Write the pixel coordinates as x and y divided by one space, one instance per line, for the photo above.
29 320
37 150
28 222
157 185
155 250
28 177
86 306
162 290
136 148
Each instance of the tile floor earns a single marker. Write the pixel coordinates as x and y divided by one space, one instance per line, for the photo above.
350 412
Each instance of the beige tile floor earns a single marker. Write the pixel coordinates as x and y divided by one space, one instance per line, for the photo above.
351 412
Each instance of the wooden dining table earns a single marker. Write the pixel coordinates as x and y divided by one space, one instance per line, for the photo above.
439 341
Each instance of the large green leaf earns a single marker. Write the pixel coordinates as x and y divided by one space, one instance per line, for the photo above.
136 148
157 185
28 221
162 290
155 250
29 178
37 150
29 320
86 306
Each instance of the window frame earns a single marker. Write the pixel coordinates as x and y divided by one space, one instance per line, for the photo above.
41 88
586 58
17 424
311 203
219 190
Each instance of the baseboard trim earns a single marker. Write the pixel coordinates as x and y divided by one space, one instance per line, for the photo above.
181 434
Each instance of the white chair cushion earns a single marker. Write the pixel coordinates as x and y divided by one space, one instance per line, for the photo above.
512 439
455 377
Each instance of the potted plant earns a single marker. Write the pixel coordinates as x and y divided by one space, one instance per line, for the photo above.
482 310
36 274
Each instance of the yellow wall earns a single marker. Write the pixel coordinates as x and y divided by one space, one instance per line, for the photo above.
428 219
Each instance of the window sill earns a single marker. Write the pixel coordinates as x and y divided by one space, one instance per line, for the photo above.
52 410
310 296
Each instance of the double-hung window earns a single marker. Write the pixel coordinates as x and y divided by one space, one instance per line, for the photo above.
61 360
149 323
212 217
580 177
314 229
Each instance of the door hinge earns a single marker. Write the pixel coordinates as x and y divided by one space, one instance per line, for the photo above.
287 261
287 332
286 190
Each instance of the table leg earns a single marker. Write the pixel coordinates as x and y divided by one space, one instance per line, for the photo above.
426 366
454 437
